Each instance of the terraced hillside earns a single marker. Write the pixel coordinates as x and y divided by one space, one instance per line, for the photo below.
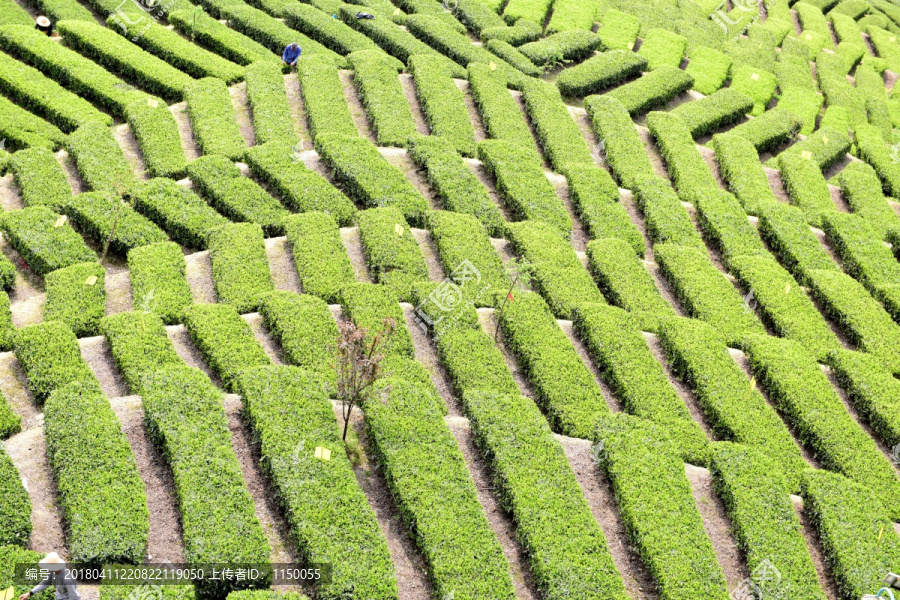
642 258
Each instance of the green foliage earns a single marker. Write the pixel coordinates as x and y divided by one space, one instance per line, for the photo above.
6 336
662 47
443 103
532 10
305 330
183 215
600 72
763 518
24 130
566 549
427 476
321 259
792 65
44 246
619 30
522 32
15 512
758 84
460 238
159 280
514 57
626 283
501 115
103 217
725 224
100 161
595 197
783 305
862 190
709 68
119 55
652 90
213 119
365 175
667 220
34 91
562 47
157 135
206 31
686 166
872 390
874 151
558 134
76 296
105 509
392 253
269 103
298 187
139 345
323 97
625 151
522 184
769 130
670 539
49 354
330 32
453 182
375 77
805 184
558 274
824 147
803 394
240 267
572 14
368 305
473 361
40 178
710 114
566 390
186 419
786 232
13 14
736 411
804 103
740 168
324 505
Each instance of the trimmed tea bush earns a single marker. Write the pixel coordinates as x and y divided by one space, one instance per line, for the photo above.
667 220
159 280
740 168
269 103
44 246
595 197
15 525
321 259
786 232
503 120
213 119
139 345
206 31
102 216
722 108
443 103
558 134
652 90
305 330
157 135
240 266
49 354
99 158
625 151
177 210
392 253
562 47
375 77
76 296
40 178
323 97
600 72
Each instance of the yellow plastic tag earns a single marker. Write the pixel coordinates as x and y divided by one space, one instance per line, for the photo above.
398 228
755 77
92 280
396 11
323 453
809 36
493 66
7 594
152 102
806 154
893 39
824 139
631 45
787 288
60 221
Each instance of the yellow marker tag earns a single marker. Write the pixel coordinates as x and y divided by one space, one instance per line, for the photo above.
493 66
806 154
152 102
631 45
809 36
92 280
396 11
323 453
893 39
60 221
755 77
787 288
7 594
824 139
398 228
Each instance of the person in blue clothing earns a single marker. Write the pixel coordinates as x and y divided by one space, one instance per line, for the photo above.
291 54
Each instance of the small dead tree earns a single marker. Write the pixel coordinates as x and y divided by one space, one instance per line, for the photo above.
519 272
358 363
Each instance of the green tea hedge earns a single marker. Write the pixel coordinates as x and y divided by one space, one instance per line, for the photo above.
206 31
139 345
331 33
558 274
566 549
157 135
102 217
13 14
652 90
474 362
39 94
804 103
667 220
802 392
742 172
119 55
49 354
460 238
619 30
368 305
722 108
327 511
521 182
76 296
532 10
34 234
709 68
457 187
562 47
323 97
502 118
595 197
364 174
392 253
662 47
626 283
269 103
769 130
615 342
16 508
76 73
213 119
522 32
671 540
305 330
872 390
105 509
443 103
178 211
240 266
848 519
783 305
159 281
763 519
516 59
600 72
686 166
736 411
786 232
99 158
625 151
571 14
826 146
40 178
319 255
24 130
566 390
805 184
559 135
375 77
725 224
428 477
874 151
186 419
298 187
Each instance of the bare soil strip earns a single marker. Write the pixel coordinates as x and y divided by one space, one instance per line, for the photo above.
243 112
656 159
427 356
188 352
580 236
409 88
262 335
608 394
132 150
14 386
298 110
401 159
185 132
777 185
429 251
281 265
816 552
355 105
488 319
118 293
97 354
474 115
68 165
353 244
520 100
199 277
477 167
10 198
